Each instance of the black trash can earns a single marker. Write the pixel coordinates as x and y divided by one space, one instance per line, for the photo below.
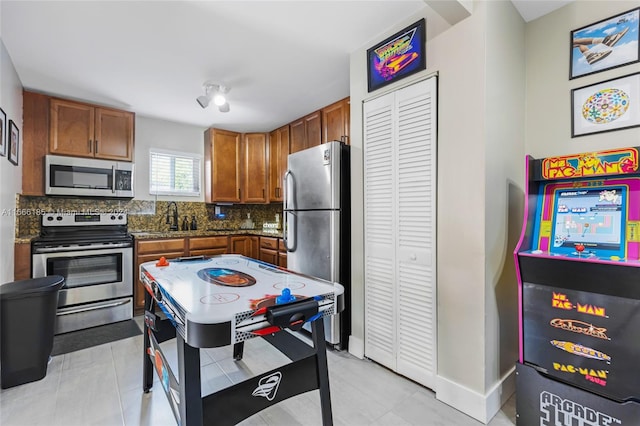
27 321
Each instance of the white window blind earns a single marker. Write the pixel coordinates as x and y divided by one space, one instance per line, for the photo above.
174 173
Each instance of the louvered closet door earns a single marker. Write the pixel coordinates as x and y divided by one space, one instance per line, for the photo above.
415 238
400 196
380 324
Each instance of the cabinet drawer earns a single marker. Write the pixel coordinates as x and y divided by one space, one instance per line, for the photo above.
161 246
282 259
208 252
269 243
203 243
269 256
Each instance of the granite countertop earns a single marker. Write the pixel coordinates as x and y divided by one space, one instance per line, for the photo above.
25 239
143 235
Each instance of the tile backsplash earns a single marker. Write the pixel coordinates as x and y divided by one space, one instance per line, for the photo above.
144 215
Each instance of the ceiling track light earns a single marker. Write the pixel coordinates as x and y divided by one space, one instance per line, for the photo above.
216 93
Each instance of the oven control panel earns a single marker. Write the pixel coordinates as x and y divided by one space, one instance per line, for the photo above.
82 219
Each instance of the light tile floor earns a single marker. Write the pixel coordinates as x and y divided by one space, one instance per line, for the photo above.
103 386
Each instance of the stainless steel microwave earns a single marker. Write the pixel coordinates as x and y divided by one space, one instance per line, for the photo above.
88 177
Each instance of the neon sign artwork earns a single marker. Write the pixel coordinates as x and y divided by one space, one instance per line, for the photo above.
400 55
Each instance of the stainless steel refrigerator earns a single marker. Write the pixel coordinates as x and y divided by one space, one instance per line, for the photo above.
317 221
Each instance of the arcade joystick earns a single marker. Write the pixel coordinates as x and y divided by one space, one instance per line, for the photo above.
162 262
579 248
285 297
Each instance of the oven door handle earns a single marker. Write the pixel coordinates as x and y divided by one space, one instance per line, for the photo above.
69 311
76 248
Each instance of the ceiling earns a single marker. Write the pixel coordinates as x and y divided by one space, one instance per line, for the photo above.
282 59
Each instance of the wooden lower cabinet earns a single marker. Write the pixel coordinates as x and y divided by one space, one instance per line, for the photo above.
208 246
245 245
22 261
272 251
282 253
149 250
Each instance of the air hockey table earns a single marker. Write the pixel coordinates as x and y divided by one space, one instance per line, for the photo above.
222 300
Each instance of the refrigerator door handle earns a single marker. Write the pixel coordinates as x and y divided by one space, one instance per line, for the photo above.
285 239
286 190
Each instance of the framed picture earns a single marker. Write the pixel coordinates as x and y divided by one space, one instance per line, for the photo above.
610 43
14 142
3 133
397 57
606 106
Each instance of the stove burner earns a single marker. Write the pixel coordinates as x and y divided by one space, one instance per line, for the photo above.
226 277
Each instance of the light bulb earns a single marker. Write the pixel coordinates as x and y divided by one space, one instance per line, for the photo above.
219 99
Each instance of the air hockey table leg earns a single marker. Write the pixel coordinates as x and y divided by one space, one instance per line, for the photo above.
147 365
190 383
317 333
238 351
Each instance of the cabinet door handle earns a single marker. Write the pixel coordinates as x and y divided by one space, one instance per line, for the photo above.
96 150
239 194
90 145
263 196
277 192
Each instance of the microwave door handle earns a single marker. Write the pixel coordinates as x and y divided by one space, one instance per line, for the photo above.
113 179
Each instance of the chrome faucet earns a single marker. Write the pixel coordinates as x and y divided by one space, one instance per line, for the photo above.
173 226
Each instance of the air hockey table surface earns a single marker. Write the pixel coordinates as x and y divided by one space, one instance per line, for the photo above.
229 293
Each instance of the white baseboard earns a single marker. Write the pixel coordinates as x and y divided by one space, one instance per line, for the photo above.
356 347
480 407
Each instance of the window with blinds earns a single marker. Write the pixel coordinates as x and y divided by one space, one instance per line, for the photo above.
174 173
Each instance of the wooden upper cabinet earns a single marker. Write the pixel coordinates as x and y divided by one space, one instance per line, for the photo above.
306 132
72 128
298 136
278 153
35 141
84 130
313 126
254 170
222 152
113 134
335 121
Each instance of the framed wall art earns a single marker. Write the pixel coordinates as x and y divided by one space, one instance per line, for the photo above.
397 57
14 142
3 133
606 44
606 106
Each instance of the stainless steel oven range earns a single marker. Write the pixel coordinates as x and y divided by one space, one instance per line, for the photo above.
94 253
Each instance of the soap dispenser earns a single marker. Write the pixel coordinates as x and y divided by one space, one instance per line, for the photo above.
194 223
185 224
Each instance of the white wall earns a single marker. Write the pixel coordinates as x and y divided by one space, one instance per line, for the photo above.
10 175
154 133
504 195
548 123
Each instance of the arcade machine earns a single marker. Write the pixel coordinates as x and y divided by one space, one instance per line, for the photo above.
578 267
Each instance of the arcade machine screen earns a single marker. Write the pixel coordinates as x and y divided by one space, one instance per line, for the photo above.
589 222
